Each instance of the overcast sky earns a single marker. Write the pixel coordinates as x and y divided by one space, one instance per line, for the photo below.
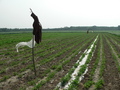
59 13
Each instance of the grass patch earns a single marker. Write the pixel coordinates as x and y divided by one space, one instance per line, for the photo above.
99 84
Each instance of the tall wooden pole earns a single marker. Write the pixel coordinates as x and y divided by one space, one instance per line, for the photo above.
33 54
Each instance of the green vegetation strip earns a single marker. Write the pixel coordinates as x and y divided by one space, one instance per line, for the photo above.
59 67
75 40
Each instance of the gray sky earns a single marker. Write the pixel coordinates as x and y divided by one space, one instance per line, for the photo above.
59 13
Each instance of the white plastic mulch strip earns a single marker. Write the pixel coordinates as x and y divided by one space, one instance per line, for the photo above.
75 73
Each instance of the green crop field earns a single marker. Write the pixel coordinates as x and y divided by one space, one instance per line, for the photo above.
56 59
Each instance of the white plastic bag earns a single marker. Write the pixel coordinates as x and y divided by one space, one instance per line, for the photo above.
29 44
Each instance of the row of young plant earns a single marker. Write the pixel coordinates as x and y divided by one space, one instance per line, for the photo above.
12 38
116 44
67 77
56 69
100 55
15 73
14 63
13 53
47 37
62 63
115 40
100 82
115 37
115 55
76 82
7 76
16 56
30 65
74 50
17 62
74 45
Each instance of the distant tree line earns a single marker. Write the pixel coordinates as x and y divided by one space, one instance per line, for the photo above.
62 28
14 30
89 28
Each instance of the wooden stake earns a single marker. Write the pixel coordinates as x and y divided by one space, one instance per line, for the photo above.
33 55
